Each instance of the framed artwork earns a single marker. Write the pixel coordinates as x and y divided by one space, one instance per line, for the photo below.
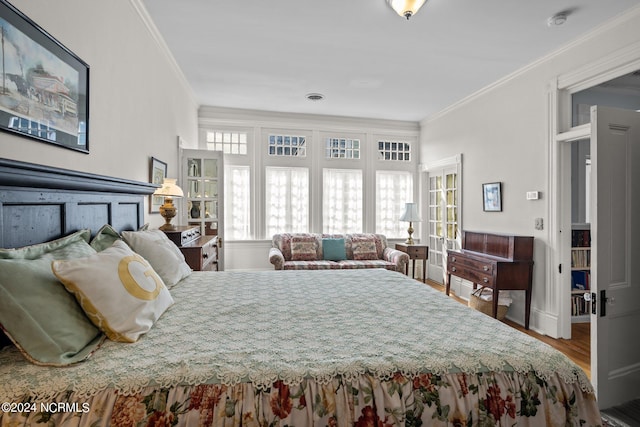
492 197
157 174
44 92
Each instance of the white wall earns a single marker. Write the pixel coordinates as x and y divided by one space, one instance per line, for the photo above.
503 135
139 101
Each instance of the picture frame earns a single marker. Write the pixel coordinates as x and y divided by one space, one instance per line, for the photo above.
492 197
44 92
157 174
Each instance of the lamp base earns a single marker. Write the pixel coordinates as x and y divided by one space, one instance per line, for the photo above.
409 240
167 227
168 211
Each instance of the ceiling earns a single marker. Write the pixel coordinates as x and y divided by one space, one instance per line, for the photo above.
366 60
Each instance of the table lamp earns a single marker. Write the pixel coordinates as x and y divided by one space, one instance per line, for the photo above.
410 215
169 190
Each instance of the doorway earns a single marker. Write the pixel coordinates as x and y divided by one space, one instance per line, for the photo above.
569 126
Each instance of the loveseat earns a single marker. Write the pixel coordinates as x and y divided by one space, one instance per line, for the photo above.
307 251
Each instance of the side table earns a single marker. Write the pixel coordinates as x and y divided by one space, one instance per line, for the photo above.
415 252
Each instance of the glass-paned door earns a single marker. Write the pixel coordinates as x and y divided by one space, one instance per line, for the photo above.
202 183
444 193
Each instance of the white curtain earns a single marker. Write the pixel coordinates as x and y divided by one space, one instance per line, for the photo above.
393 190
237 189
342 201
286 200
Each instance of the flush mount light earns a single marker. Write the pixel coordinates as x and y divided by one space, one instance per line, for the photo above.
406 8
557 19
315 96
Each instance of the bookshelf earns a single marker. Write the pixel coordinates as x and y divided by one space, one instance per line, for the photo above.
580 272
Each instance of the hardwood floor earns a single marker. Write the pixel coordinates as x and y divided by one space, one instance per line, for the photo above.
578 348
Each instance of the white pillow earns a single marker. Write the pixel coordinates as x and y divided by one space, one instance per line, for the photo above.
117 289
163 255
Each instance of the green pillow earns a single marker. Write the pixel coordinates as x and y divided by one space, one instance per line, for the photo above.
36 312
104 238
333 249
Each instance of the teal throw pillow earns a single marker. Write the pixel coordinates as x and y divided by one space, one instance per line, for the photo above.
104 238
37 313
333 249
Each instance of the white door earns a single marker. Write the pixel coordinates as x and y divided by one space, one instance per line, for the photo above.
444 193
615 242
203 185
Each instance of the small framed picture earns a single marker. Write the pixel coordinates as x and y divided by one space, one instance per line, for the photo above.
492 197
157 174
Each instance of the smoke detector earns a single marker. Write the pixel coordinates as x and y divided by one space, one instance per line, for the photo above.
557 19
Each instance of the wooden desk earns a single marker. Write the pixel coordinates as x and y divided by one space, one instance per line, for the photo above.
499 262
415 252
200 252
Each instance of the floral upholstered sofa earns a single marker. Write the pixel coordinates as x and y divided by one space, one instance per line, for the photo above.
307 251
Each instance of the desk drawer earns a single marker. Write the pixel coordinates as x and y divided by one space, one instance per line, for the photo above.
474 276
464 263
201 253
209 253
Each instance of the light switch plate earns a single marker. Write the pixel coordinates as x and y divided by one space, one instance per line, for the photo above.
533 195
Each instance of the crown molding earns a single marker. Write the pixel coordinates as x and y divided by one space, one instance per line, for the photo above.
212 115
611 24
162 46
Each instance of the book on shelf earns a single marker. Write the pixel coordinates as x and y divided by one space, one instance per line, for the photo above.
580 280
579 306
580 238
580 258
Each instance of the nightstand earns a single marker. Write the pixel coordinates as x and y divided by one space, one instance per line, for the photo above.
200 252
415 252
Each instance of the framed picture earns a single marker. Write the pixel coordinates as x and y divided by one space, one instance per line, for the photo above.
492 197
44 92
157 174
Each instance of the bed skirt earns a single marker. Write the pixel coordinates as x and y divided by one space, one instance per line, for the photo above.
483 399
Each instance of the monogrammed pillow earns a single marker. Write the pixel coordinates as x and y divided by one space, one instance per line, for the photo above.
118 290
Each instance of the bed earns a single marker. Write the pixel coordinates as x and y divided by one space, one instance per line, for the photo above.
296 348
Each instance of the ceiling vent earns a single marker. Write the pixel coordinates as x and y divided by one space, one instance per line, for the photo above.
315 96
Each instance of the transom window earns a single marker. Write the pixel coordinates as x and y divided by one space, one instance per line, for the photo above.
394 150
227 142
288 145
342 148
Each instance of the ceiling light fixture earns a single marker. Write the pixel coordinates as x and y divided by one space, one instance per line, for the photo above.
315 96
406 8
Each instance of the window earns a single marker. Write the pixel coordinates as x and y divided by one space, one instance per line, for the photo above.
394 150
288 145
237 186
342 201
227 142
342 148
286 200
393 190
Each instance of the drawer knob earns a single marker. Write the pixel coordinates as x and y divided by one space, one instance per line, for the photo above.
485 280
453 259
205 255
485 268
453 269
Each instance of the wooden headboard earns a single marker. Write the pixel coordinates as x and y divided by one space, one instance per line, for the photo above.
41 203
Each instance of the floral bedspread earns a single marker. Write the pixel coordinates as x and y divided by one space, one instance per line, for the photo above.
302 348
